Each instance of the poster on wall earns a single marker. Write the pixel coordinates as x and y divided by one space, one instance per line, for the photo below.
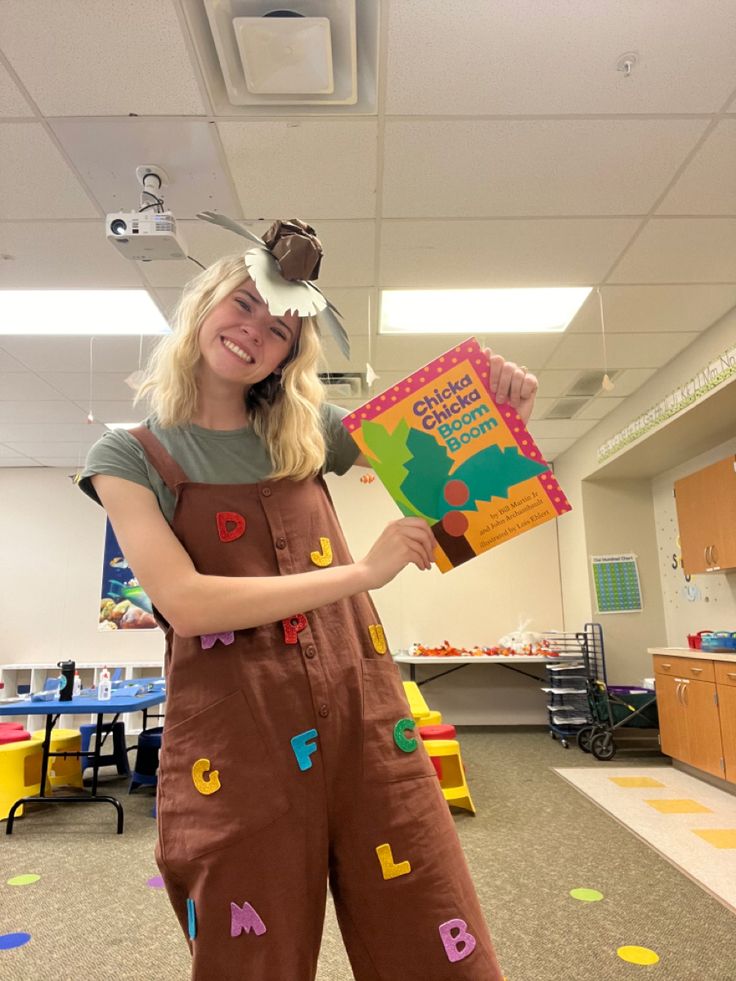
617 586
123 603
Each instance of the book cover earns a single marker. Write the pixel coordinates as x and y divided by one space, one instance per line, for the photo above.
447 453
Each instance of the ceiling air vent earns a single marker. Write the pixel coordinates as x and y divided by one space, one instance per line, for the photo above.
589 383
566 408
342 384
300 55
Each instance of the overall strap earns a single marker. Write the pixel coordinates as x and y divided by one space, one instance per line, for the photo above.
160 459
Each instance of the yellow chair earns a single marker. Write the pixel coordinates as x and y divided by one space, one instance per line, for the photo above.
453 782
421 712
20 773
63 771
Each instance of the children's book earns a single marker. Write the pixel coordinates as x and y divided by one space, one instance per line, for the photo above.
446 452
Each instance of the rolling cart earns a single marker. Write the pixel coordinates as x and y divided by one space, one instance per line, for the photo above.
567 685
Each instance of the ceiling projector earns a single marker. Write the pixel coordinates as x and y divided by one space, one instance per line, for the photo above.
144 237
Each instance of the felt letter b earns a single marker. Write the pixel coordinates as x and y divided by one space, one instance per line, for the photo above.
460 944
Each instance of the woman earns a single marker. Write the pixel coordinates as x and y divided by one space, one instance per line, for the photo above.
280 767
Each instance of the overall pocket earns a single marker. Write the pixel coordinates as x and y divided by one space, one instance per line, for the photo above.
205 806
384 703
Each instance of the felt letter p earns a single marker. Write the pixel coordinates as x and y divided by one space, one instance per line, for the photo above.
303 747
461 944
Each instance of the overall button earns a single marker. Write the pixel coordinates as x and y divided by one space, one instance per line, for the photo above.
266 491
280 543
310 650
324 711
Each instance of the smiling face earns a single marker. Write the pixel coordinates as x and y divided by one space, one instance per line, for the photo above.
241 343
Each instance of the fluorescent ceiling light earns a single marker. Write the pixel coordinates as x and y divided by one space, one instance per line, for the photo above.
496 311
121 425
87 312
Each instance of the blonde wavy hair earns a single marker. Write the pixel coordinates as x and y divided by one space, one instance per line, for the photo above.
284 410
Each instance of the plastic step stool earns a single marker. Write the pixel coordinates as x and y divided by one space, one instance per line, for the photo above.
421 712
454 785
13 732
444 731
63 771
146 759
119 755
20 774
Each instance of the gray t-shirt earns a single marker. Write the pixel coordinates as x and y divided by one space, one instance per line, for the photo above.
208 456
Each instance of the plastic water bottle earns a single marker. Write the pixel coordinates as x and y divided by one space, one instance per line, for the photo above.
104 688
77 690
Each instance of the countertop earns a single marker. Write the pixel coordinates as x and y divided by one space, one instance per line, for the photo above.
698 655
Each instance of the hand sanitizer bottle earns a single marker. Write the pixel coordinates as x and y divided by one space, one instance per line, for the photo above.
76 691
104 688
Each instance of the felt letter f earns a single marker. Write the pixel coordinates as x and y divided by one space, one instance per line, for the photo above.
303 747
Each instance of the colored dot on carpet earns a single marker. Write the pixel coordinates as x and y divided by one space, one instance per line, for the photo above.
10 940
23 880
156 882
586 895
637 955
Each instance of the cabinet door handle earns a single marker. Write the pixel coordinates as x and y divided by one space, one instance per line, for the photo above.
731 674
678 692
713 555
706 550
666 666
684 693
696 670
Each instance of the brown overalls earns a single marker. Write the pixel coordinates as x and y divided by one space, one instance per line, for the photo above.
282 765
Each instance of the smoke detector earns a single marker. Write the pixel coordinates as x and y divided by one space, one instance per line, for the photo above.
303 55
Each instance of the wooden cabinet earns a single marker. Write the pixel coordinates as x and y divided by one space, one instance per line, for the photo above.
726 687
706 516
691 713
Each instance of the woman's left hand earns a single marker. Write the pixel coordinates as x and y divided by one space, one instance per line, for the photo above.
513 384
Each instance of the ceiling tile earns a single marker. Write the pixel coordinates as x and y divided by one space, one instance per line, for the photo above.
9 364
40 411
635 309
628 382
514 57
641 351
74 452
599 408
65 255
553 384
708 184
105 412
106 153
325 168
74 61
17 463
559 428
6 453
75 385
348 252
551 446
60 354
681 250
477 254
22 434
24 386
531 167
12 101
37 181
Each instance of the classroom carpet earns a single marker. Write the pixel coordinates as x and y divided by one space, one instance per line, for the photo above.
688 821
569 893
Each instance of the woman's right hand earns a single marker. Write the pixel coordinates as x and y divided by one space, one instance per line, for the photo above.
401 542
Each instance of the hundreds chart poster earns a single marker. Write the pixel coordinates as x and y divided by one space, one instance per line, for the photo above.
446 452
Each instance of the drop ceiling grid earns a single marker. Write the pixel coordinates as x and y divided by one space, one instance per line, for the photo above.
433 60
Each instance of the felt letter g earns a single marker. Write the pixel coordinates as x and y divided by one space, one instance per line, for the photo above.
205 786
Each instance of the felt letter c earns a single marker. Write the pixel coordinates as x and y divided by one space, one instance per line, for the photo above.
407 743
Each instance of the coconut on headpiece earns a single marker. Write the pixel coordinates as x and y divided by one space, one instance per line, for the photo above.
283 265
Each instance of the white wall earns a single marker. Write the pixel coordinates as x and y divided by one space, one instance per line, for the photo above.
708 601
625 648
52 542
